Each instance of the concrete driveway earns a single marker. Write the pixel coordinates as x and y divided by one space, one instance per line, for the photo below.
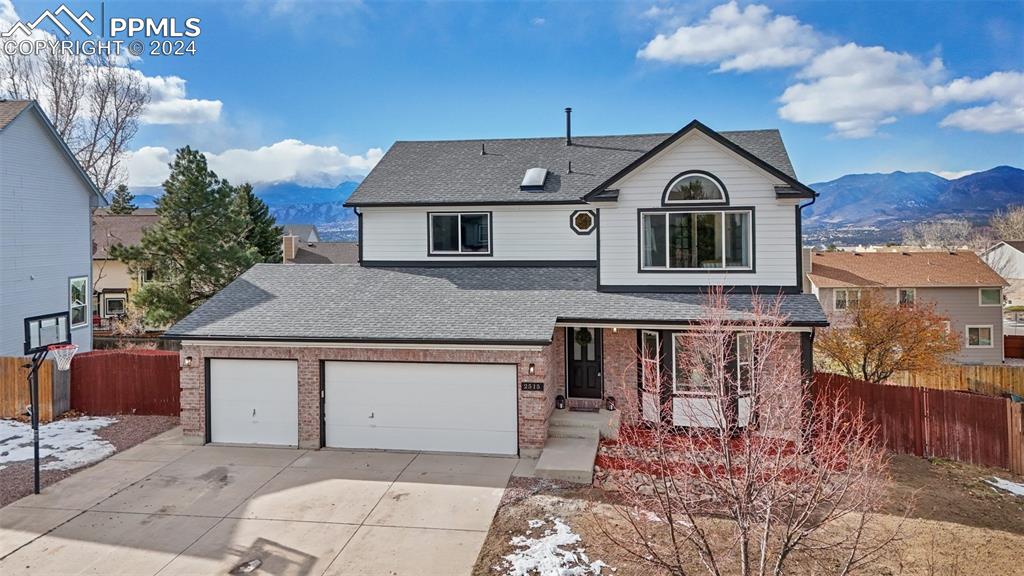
167 508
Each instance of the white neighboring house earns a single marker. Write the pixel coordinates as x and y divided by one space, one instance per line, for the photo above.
45 228
1007 259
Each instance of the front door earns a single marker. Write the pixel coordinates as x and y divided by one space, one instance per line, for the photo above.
583 347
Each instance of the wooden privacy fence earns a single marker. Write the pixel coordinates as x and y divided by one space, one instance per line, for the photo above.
107 382
972 428
1013 346
54 399
994 380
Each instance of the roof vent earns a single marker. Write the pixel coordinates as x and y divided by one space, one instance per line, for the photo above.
534 179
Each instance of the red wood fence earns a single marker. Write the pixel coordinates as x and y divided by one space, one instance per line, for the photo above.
973 428
126 382
1013 346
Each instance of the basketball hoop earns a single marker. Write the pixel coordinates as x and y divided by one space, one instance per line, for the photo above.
62 355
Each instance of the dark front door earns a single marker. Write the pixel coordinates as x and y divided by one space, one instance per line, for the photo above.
583 347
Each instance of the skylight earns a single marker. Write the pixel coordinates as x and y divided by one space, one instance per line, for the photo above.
534 179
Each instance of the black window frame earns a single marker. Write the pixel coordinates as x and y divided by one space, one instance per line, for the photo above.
460 254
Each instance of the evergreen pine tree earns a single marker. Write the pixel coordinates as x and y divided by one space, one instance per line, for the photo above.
197 247
123 201
262 232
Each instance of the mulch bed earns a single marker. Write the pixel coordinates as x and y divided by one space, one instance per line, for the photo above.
129 430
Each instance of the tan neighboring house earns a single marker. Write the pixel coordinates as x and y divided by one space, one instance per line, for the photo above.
1007 259
960 284
113 284
300 244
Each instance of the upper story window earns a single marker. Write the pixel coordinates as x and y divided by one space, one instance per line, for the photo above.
695 187
78 294
460 234
845 298
704 241
990 297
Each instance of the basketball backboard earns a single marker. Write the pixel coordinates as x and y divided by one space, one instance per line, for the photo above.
45 330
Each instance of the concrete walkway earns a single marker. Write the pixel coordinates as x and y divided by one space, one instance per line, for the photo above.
168 508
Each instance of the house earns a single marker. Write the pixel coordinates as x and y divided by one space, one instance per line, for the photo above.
494 277
300 244
113 283
1007 259
960 284
45 228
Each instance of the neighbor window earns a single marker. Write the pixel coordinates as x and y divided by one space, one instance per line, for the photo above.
845 298
696 240
467 233
990 297
78 298
907 296
979 336
146 276
695 188
115 306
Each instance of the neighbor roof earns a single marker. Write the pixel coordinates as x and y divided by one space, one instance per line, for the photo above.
491 171
10 109
326 253
901 269
331 302
126 229
300 230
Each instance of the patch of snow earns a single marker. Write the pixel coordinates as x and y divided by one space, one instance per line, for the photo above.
73 442
1007 486
553 554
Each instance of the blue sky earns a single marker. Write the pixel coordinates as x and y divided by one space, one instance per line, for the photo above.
307 91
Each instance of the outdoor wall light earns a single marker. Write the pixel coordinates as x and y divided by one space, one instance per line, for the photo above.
188 362
560 402
531 369
615 330
610 403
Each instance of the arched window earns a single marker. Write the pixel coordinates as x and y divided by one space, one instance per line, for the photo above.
696 188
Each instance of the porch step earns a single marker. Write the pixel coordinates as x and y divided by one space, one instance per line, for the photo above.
568 459
604 422
589 432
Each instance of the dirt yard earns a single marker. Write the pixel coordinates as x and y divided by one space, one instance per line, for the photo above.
127 431
959 525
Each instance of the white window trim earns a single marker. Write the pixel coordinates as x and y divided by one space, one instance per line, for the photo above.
459 252
721 191
835 297
668 241
991 336
108 299
656 359
913 295
84 304
749 361
999 300
691 393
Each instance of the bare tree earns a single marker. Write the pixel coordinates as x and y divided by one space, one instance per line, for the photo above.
761 476
94 103
952 234
1008 224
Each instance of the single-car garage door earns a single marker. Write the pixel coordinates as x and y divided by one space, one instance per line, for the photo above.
421 406
254 402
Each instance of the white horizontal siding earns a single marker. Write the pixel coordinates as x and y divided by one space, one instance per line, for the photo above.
775 242
45 233
539 232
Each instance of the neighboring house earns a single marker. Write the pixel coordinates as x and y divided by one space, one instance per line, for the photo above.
1007 259
45 236
962 287
113 283
300 244
494 277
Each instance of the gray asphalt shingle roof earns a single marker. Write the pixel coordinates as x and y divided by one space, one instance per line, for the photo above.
454 171
353 303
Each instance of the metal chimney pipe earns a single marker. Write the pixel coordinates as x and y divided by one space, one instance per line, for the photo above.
568 126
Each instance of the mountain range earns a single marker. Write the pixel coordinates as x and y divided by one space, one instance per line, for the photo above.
875 208
852 209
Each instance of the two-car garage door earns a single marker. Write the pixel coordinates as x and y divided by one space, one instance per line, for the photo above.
421 406
436 407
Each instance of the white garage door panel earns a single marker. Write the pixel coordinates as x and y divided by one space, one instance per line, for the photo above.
254 402
420 406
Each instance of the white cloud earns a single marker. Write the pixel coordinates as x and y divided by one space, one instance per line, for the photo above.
1004 113
168 104
538 21
953 175
993 118
740 39
284 161
856 89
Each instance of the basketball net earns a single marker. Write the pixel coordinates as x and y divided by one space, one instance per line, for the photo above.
62 355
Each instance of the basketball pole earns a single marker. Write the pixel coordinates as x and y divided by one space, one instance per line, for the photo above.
33 389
